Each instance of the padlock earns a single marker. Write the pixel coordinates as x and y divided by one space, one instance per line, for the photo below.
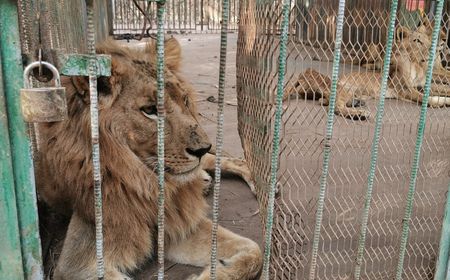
47 104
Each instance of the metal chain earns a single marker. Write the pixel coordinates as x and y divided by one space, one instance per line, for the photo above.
95 143
327 140
276 139
376 140
419 139
161 118
219 138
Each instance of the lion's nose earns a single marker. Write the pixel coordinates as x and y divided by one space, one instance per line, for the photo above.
199 152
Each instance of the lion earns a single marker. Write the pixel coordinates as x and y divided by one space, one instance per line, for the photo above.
128 152
406 78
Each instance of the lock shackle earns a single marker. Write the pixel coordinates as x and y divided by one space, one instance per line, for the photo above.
35 64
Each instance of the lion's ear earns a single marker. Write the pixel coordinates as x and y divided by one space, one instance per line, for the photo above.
172 50
402 33
105 85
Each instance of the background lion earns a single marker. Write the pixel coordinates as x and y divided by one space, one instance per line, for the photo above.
406 78
127 113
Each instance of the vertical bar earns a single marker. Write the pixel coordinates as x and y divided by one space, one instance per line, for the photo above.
419 139
11 262
110 15
376 140
186 13
276 139
160 127
195 14
95 141
448 271
219 137
201 14
173 14
444 245
22 162
327 140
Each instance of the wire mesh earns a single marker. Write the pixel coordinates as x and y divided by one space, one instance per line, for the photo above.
312 29
185 16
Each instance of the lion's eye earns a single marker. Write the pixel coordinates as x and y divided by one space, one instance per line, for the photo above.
417 41
150 112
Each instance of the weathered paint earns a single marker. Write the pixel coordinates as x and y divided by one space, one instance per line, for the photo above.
444 246
22 163
78 64
11 257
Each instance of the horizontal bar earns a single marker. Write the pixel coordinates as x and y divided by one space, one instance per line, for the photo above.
78 64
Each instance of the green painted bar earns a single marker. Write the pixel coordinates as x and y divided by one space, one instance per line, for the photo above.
376 141
419 140
11 257
78 64
444 245
22 162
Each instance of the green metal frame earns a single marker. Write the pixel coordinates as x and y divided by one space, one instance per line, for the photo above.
11 262
20 243
20 156
444 246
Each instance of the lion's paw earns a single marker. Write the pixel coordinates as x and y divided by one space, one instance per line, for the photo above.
207 183
192 277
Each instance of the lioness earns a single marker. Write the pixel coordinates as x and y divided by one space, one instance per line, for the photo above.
406 79
127 122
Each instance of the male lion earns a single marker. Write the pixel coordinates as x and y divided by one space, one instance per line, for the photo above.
128 129
406 78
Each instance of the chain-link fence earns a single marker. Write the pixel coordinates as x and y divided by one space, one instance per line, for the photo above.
138 18
311 42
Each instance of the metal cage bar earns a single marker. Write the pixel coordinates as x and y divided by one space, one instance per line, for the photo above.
419 140
11 262
444 244
327 140
22 162
219 138
376 140
160 127
276 139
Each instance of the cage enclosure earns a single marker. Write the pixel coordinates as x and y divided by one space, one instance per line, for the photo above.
312 34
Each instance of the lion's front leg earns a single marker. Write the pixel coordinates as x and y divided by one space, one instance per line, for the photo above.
238 258
230 165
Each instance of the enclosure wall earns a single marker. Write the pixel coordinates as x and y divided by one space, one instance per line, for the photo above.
311 40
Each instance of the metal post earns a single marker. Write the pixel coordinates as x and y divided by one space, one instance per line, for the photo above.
11 260
444 246
201 14
22 162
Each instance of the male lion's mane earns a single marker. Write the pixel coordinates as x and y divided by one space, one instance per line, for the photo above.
129 186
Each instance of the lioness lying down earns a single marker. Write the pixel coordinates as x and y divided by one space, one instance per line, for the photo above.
406 78
127 120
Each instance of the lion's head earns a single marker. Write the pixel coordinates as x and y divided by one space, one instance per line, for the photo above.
128 128
128 107
411 52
